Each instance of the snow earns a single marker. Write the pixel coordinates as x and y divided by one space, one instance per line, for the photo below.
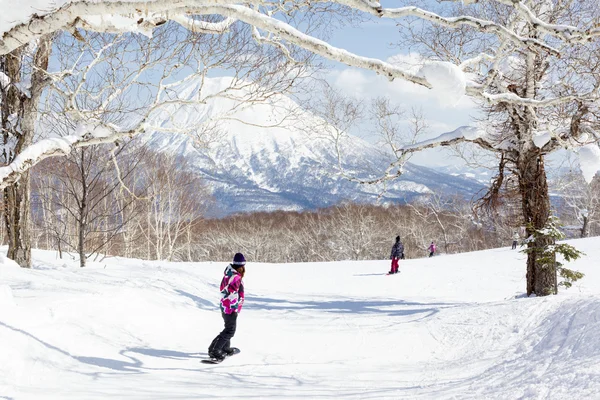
449 327
118 22
35 152
12 15
4 80
469 133
589 161
56 145
448 80
472 133
264 125
541 138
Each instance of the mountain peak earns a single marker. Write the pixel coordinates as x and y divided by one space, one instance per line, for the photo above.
262 157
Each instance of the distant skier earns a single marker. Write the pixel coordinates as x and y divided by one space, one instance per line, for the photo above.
431 249
397 253
232 290
515 240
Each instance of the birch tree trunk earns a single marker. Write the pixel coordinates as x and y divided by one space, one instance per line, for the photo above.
83 213
19 114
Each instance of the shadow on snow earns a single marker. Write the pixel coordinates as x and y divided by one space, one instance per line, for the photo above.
118 365
348 306
200 302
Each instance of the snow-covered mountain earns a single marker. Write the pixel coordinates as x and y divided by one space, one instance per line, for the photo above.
481 175
286 166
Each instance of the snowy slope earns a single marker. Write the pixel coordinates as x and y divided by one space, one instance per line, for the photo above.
451 327
285 166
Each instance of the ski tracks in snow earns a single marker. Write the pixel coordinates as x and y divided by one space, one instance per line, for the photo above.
540 349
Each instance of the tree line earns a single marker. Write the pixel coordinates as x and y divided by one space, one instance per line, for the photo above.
127 200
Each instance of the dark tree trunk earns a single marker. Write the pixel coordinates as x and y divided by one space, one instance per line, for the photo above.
83 210
16 218
541 278
58 244
585 228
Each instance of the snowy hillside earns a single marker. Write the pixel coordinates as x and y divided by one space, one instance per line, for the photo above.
451 327
482 175
284 167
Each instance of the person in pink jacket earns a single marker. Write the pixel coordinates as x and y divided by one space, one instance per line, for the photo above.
431 249
232 291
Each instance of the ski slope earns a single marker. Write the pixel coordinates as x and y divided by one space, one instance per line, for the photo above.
450 327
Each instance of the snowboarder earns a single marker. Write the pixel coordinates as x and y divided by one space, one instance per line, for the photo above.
515 240
397 253
232 290
431 249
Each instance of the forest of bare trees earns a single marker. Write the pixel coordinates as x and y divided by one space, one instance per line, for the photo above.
132 202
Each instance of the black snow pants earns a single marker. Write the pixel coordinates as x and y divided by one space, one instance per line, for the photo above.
222 342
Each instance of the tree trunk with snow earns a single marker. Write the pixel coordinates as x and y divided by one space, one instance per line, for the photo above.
541 279
19 114
15 214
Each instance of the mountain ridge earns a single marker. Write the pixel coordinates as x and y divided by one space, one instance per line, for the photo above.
285 167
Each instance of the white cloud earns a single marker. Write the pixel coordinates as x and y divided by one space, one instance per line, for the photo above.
440 118
362 83
352 81
447 79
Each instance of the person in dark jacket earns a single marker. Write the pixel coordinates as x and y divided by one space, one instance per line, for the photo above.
232 291
397 253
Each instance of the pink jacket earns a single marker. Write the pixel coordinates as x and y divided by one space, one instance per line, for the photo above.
232 290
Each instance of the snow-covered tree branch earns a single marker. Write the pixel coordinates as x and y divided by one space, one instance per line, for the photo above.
117 17
83 110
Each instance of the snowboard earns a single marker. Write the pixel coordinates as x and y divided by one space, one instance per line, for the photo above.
393 274
215 361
